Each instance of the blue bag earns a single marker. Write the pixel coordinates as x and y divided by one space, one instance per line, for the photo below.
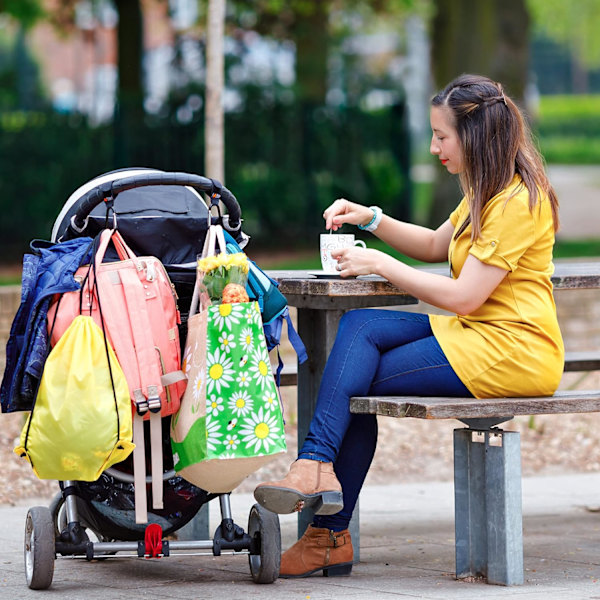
273 307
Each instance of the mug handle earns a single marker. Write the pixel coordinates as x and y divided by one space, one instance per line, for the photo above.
360 243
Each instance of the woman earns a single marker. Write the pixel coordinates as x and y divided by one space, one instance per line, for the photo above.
503 340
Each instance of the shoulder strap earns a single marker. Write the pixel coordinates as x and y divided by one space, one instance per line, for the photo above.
147 397
295 339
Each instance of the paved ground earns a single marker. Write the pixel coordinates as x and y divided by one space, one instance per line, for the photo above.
407 552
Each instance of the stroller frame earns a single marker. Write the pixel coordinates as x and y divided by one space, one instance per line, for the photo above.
46 537
60 530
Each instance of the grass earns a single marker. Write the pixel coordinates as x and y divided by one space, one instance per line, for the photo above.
569 107
577 249
568 129
10 279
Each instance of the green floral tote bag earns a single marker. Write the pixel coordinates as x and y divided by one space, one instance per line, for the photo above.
230 422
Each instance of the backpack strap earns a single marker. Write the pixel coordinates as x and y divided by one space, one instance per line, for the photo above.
137 397
156 460
139 470
273 330
150 376
147 359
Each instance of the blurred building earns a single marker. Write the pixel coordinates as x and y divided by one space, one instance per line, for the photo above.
80 75
79 65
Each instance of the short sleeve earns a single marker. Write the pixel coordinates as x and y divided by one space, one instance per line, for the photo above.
507 231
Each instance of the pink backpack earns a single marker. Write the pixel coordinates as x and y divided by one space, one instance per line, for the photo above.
139 309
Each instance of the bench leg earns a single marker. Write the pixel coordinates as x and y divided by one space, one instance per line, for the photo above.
487 505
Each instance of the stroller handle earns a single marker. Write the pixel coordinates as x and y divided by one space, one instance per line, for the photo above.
110 190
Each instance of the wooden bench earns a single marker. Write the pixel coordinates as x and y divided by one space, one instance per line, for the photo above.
574 361
582 361
487 470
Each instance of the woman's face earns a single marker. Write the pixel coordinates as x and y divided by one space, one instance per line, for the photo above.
444 141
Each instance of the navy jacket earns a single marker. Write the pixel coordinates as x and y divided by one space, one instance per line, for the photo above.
47 271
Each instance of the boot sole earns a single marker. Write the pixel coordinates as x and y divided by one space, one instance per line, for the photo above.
284 501
341 570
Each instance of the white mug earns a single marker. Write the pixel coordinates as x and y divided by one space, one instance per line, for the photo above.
335 241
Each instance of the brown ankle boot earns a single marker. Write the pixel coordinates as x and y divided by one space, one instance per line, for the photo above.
310 482
318 550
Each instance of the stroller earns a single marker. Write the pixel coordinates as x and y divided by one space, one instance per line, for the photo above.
164 215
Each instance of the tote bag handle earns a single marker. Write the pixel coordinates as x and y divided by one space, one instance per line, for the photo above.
215 238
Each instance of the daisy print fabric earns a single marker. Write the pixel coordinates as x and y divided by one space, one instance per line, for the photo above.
230 421
242 403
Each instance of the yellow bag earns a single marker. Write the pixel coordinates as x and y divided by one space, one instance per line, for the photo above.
81 422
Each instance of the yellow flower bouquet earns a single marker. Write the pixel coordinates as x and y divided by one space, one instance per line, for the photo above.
222 269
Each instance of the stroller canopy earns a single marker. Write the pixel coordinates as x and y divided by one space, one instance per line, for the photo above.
158 213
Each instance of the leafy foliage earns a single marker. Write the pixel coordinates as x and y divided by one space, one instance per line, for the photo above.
284 164
575 24
568 129
27 12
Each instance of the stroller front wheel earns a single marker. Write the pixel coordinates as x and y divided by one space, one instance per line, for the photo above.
39 548
265 556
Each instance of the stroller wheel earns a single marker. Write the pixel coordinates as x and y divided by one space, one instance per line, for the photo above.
39 548
265 554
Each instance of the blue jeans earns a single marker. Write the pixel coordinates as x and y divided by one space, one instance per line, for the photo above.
376 352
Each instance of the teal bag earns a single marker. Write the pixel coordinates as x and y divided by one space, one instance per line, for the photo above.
273 307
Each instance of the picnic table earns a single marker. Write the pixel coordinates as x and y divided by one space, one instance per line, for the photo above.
321 302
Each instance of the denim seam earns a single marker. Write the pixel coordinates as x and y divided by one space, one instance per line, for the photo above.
397 375
313 456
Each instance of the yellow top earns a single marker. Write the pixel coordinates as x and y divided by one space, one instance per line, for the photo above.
511 345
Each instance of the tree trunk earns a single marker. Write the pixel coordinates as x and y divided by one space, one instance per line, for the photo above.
488 37
311 35
130 92
214 136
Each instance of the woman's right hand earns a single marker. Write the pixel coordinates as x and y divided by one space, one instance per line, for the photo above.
343 211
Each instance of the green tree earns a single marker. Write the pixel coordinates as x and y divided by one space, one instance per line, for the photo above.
574 24
27 12
315 28
130 93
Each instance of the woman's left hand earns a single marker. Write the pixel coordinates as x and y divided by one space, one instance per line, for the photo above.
358 261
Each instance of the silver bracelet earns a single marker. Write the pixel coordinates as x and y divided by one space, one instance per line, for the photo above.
373 224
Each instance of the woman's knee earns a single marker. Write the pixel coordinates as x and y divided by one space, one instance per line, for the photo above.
377 325
352 322
355 317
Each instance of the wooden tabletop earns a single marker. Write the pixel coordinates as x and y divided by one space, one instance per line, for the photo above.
298 286
576 274
304 290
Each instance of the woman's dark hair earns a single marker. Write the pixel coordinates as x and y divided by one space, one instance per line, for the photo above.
496 143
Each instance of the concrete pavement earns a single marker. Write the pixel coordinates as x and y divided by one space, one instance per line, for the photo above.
407 534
